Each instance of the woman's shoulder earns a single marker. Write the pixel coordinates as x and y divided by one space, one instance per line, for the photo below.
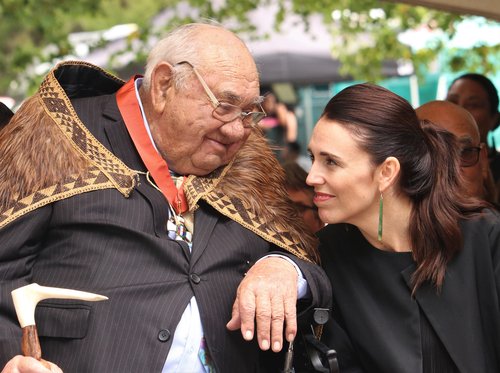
487 219
482 229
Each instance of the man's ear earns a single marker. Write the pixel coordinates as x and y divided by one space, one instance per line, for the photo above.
161 81
388 173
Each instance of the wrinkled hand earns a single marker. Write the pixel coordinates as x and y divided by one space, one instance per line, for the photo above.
268 296
22 364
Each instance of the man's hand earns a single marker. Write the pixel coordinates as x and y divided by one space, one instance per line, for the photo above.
267 295
22 364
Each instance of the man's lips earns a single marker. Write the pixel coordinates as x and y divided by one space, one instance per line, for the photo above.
219 144
321 197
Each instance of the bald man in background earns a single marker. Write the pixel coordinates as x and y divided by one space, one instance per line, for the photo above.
474 157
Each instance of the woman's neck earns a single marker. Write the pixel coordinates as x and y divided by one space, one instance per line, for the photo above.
395 226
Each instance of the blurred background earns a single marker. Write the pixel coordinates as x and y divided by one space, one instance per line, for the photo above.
306 50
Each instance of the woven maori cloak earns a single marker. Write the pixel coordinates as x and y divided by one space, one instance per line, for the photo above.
47 154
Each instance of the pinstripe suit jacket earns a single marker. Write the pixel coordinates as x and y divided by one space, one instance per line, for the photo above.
105 243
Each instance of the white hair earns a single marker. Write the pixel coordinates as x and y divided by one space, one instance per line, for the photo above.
178 45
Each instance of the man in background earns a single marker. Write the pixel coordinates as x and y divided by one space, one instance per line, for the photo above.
474 158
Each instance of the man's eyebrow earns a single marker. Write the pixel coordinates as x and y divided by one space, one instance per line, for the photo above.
230 96
474 97
465 140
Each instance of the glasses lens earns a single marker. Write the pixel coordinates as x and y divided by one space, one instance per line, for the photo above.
226 113
469 156
257 116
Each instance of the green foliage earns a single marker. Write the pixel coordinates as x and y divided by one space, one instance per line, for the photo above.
27 26
36 31
481 59
364 32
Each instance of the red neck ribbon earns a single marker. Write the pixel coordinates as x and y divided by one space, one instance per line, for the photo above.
156 165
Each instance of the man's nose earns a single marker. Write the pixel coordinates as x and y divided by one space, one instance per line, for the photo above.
234 129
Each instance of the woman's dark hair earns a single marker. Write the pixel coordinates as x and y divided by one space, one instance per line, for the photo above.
487 85
386 125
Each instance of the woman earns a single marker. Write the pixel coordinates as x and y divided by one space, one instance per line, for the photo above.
414 265
477 94
279 125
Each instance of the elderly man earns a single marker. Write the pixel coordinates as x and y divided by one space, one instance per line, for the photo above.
158 194
474 158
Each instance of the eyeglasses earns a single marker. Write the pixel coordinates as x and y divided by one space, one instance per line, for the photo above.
226 112
469 156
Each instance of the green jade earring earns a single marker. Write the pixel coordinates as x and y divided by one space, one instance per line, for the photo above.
380 216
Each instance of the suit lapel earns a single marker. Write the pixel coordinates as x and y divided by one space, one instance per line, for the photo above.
122 146
452 314
118 137
204 224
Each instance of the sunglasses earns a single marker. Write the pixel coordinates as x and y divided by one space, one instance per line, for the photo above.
469 156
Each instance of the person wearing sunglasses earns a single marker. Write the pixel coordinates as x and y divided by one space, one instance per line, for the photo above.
159 194
477 94
477 177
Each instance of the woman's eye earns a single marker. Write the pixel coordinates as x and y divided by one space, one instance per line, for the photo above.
331 162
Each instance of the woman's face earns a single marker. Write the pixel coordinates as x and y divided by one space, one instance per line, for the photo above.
471 95
342 175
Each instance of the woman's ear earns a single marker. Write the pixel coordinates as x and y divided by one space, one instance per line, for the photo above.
388 173
161 81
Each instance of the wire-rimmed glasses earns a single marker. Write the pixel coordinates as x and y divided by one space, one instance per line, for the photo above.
226 112
469 155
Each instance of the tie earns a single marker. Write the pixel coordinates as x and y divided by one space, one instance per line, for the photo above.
180 227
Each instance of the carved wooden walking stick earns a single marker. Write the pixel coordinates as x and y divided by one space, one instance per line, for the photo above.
25 300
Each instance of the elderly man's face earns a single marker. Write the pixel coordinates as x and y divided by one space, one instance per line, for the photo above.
473 174
187 135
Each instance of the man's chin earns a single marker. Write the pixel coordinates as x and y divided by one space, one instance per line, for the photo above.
208 165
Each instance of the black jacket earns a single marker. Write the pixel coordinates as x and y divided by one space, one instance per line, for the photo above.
380 320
